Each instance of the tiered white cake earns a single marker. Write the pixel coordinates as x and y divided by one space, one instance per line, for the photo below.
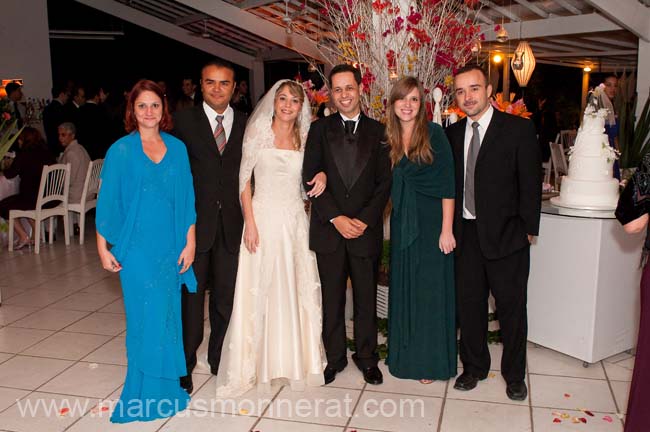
590 183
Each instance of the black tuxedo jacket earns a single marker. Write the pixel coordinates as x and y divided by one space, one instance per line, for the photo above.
362 196
53 115
216 177
507 183
93 129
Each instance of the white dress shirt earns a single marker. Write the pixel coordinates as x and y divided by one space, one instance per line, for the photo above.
228 118
483 124
355 119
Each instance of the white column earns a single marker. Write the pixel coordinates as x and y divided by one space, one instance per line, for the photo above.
642 75
25 46
256 81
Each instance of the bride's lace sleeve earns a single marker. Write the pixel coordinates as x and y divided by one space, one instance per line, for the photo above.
249 156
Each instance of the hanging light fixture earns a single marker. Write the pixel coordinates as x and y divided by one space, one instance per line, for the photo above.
523 63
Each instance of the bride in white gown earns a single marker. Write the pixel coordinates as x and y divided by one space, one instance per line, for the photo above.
276 323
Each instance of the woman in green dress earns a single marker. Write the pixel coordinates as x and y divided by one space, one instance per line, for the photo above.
421 314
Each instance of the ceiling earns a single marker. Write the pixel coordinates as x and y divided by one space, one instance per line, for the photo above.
573 33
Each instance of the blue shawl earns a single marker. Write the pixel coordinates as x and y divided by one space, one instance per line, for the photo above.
119 196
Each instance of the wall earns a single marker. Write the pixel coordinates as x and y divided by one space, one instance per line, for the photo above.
25 46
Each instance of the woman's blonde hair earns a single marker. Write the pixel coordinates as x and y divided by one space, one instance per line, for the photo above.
419 148
296 90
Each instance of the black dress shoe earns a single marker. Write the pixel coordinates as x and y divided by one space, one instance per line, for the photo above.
372 375
213 370
330 373
517 390
467 381
187 384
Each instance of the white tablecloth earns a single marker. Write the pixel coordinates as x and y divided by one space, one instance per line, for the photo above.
8 187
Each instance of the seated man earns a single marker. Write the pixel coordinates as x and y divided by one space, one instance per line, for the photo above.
77 157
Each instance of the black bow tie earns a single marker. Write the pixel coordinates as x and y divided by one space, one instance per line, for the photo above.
349 127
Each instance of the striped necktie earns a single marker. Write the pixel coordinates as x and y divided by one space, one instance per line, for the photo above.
220 135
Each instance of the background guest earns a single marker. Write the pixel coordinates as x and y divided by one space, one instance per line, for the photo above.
240 99
189 98
422 302
54 115
93 124
632 212
28 164
15 95
77 157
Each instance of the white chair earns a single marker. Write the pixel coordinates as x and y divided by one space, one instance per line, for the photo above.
560 166
568 138
55 185
88 196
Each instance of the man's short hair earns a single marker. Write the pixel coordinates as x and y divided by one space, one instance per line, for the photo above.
472 67
70 127
12 87
57 89
220 64
344 67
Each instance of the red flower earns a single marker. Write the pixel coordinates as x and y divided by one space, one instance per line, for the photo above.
414 17
366 80
353 28
378 6
398 24
420 35
390 58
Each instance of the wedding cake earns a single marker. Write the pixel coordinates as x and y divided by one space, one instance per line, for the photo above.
590 184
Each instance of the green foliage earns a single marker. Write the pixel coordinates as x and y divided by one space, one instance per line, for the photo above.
634 134
7 136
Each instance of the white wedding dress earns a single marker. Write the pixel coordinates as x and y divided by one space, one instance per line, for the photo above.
276 323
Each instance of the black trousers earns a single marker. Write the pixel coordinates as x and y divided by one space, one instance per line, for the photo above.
216 271
507 279
334 269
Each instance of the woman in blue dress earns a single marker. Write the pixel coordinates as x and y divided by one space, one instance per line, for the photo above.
146 213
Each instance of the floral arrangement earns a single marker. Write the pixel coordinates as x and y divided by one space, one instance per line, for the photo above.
387 39
517 108
8 127
315 96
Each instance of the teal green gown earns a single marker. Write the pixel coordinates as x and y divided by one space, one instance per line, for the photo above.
421 305
144 211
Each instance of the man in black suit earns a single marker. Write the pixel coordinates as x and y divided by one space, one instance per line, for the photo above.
54 115
346 229
93 124
213 133
498 200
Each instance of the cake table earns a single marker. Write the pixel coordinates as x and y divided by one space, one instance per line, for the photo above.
583 289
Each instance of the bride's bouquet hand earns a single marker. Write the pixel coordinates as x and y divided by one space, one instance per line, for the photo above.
251 237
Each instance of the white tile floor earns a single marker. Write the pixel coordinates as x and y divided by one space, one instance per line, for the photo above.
62 345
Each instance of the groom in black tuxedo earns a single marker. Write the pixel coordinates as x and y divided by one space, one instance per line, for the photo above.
498 201
346 229
213 133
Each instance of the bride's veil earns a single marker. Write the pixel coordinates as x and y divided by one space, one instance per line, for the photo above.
259 135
